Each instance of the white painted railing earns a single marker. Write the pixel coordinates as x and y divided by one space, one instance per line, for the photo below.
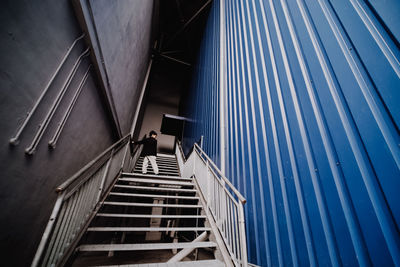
223 200
79 197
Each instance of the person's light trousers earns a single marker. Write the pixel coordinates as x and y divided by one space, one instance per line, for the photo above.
153 163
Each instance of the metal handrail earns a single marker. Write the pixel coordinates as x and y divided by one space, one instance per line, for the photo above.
219 196
45 123
78 201
74 177
239 195
14 140
61 124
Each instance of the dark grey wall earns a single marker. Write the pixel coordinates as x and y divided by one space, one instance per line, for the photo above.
123 30
34 36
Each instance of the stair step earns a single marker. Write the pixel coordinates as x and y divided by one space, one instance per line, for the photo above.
118 215
161 160
147 229
151 188
145 246
163 155
155 181
160 172
135 204
159 164
139 174
151 195
163 167
200 263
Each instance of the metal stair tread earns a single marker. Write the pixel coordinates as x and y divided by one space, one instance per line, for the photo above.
162 167
200 263
124 215
145 246
165 155
151 188
155 181
139 174
138 204
160 171
160 161
152 196
147 229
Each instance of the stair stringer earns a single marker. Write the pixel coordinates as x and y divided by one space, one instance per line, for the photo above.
221 252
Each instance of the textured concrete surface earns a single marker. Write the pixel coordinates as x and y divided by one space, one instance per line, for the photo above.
124 34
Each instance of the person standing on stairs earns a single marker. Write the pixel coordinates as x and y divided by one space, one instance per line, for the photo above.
149 152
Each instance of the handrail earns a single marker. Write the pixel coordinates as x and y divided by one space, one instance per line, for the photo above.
72 179
78 201
223 201
61 124
14 140
240 196
45 123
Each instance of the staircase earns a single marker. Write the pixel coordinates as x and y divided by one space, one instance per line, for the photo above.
146 219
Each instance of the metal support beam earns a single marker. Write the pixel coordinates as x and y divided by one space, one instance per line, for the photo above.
85 17
139 104
186 251
187 23
176 60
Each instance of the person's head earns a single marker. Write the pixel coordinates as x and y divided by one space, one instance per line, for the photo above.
153 134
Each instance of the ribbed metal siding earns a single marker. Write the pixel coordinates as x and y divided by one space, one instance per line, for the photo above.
204 102
313 116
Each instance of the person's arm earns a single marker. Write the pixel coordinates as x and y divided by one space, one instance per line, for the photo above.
138 142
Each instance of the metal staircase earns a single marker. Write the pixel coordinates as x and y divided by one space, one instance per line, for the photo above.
110 214
145 219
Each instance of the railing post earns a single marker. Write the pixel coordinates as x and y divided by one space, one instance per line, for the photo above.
242 233
209 200
124 158
105 174
48 230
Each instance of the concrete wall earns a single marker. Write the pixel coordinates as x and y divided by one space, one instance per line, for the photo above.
35 35
120 33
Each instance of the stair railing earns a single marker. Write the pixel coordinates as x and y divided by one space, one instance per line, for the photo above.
79 198
223 200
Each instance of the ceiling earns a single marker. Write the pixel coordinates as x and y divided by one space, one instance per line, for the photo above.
180 28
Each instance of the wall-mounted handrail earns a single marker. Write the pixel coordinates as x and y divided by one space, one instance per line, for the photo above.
42 127
224 202
77 203
53 140
14 140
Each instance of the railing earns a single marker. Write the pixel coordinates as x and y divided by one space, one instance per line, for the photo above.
223 200
78 201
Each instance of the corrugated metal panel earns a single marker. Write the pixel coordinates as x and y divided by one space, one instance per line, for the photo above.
204 103
313 115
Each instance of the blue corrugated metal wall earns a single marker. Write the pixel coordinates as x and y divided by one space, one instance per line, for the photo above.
312 107
204 102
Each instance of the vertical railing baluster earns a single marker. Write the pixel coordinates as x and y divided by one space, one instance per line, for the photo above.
55 233
61 233
80 199
242 232
208 179
104 176
69 227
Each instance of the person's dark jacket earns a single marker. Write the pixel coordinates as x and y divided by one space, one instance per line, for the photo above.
149 146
